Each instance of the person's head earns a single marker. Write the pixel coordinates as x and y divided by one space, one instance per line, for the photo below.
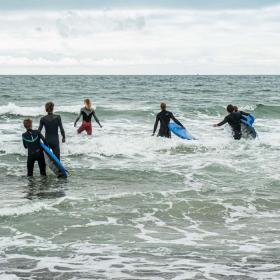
235 108
49 107
87 103
163 106
27 123
230 108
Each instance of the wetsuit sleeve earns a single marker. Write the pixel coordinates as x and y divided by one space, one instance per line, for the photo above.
78 118
96 119
43 139
156 124
41 125
175 120
24 143
223 122
244 113
61 127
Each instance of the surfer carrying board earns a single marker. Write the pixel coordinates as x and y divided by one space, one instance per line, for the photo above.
31 141
234 120
51 122
87 113
247 129
164 118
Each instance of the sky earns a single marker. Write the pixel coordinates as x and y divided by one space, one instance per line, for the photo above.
139 37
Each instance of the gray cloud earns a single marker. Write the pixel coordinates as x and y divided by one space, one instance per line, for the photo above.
79 23
178 41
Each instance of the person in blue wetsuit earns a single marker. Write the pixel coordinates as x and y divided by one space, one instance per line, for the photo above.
31 141
164 118
52 122
234 120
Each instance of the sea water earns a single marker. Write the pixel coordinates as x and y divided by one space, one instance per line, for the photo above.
137 206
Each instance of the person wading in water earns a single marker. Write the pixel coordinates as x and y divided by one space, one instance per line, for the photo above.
87 113
51 122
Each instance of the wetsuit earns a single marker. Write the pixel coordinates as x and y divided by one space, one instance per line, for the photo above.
164 118
31 141
234 120
87 115
52 122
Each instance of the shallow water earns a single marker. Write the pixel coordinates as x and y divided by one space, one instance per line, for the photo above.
136 206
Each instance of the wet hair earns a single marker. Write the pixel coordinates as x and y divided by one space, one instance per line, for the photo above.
27 123
235 108
88 103
49 107
163 106
230 108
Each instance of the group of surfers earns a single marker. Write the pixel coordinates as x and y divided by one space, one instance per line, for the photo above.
52 124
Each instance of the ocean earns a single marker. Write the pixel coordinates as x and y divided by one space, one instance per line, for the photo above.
137 206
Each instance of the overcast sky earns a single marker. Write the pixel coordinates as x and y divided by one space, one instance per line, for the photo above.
139 37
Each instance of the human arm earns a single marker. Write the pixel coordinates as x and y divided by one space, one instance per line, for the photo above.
24 143
78 118
96 119
221 123
61 129
156 125
176 121
244 113
43 139
41 124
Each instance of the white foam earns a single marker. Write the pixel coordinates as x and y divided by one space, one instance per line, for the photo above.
213 170
13 109
29 207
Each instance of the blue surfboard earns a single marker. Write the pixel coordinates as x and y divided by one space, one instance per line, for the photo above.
247 127
180 132
53 162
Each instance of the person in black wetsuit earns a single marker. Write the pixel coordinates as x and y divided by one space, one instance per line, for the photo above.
51 123
164 118
31 141
234 120
87 113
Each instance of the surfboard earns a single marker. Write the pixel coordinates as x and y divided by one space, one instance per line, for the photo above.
247 126
53 162
180 132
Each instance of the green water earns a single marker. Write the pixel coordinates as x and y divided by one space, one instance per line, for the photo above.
136 206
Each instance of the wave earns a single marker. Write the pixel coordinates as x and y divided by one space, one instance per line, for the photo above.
260 110
13 109
29 208
267 111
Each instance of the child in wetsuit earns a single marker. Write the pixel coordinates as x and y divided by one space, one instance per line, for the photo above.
31 141
87 113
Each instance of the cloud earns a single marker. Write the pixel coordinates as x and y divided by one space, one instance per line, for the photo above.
81 23
145 41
